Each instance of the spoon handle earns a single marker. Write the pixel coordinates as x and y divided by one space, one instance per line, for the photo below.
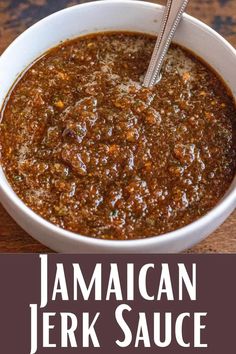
170 20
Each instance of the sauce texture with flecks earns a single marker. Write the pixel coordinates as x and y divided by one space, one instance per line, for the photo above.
91 150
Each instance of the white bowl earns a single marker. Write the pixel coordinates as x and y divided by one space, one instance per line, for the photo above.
109 16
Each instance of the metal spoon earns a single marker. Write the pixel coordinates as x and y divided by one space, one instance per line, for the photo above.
170 20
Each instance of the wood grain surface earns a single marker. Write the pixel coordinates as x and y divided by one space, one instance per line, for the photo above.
17 15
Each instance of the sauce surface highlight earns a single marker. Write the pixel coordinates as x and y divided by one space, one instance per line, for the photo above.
89 149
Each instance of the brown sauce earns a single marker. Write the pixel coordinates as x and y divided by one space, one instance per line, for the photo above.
89 149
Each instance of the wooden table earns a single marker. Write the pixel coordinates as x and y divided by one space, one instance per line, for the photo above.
17 15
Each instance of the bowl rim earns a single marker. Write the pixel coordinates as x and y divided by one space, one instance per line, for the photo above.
175 235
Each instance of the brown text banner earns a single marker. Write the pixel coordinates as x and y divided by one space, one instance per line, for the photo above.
117 304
